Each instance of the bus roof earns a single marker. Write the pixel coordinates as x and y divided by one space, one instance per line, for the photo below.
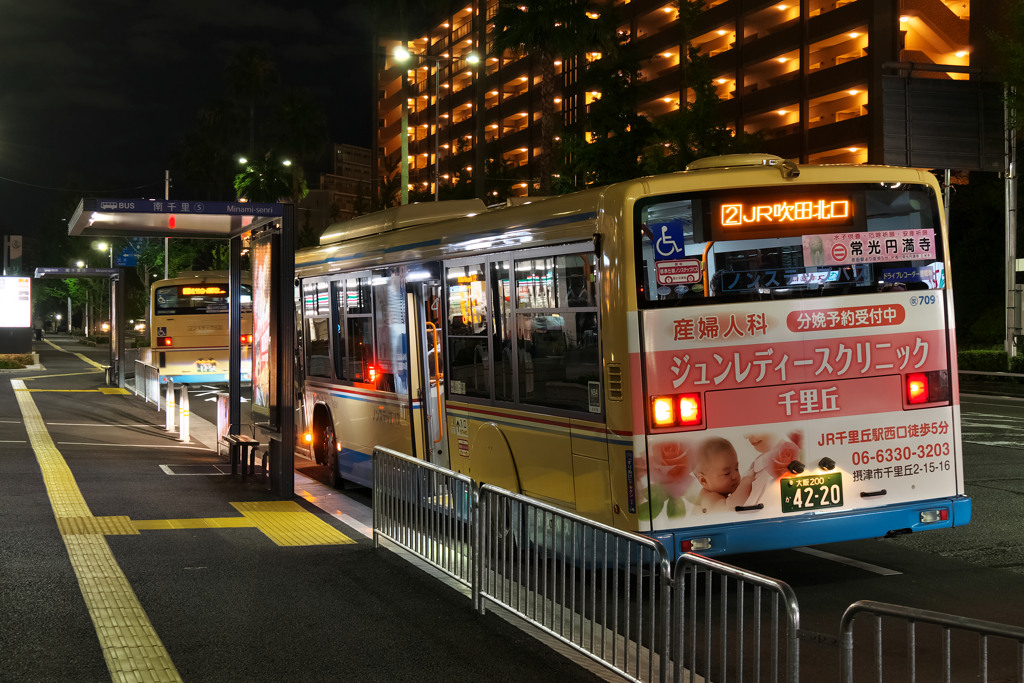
445 230
399 217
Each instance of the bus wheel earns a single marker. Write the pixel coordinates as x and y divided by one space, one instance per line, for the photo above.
331 456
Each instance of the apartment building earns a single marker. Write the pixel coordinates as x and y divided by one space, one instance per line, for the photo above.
807 73
333 197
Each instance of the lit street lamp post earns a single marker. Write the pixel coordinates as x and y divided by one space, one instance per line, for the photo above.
401 54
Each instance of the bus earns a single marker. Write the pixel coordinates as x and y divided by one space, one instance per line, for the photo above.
188 324
744 356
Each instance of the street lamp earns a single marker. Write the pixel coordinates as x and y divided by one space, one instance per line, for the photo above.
401 54
80 264
103 246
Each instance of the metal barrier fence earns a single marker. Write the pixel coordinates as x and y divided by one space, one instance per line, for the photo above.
1009 655
739 633
602 591
426 509
147 382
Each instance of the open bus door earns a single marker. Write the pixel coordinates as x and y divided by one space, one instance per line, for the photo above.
429 340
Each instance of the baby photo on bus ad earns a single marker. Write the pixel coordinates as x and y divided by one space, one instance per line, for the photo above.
713 475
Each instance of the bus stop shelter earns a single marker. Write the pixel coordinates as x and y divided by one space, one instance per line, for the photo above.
269 231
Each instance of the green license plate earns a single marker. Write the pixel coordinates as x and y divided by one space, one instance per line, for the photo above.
801 494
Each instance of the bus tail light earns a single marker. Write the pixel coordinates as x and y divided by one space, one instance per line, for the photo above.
933 516
308 437
917 388
372 372
927 387
165 341
247 339
663 413
689 409
679 410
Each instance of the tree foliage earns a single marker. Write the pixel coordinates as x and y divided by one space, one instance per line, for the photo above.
547 29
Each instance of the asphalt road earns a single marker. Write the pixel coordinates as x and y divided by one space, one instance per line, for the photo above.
224 600
973 571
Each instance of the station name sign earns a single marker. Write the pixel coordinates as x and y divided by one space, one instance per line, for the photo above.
188 207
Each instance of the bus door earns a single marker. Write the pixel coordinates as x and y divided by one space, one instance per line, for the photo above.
431 371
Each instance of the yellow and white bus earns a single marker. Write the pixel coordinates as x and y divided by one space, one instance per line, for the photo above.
743 356
189 327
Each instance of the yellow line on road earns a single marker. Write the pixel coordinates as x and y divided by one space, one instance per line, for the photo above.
66 374
87 360
132 649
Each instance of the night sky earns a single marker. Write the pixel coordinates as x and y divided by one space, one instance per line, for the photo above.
94 95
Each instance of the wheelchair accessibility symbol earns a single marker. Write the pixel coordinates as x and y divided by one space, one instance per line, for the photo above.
668 240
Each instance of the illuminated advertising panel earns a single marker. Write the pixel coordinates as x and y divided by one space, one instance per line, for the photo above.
261 322
15 302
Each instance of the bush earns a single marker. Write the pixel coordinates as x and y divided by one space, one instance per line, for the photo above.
982 361
10 365
1017 364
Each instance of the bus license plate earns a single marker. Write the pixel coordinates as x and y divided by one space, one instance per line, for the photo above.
206 366
800 494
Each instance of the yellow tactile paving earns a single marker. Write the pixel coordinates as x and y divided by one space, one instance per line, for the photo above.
286 523
103 526
87 360
116 391
131 647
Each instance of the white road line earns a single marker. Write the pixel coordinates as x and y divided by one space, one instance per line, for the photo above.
846 560
129 445
11 422
13 441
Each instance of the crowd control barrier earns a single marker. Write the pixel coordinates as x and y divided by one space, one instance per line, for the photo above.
427 510
1001 660
147 383
599 590
744 624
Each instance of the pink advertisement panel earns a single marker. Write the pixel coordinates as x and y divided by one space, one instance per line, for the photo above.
819 381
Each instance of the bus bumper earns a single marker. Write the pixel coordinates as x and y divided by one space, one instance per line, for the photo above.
817 529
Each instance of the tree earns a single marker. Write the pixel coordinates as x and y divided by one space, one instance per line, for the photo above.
268 180
251 77
298 132
694 131
546 30
206 159
618 134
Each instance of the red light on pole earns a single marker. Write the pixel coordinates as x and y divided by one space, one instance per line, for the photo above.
171 221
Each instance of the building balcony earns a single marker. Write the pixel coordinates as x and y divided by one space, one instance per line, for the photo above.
852 132
774 97
840 77
772 45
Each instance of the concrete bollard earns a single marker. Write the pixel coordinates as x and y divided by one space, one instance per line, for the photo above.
169 424
183 415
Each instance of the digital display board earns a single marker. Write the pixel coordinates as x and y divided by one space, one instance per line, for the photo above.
15 302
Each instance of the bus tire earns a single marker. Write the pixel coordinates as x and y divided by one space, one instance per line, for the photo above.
331 456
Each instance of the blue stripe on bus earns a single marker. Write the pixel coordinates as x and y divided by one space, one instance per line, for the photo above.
547 223
815 529
370 399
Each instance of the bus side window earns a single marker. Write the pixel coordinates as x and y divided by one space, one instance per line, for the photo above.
468 355
556 330
340 356
318 359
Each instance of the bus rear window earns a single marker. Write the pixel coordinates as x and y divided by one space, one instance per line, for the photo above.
198 299
787 243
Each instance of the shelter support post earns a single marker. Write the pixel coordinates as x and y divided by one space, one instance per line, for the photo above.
235 338
1010 180
118 332
282 452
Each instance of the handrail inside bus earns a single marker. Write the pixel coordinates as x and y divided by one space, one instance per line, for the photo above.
437 371
704 267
